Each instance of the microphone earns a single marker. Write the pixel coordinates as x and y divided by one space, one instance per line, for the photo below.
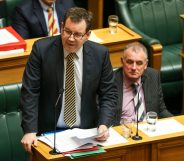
137 136
54 151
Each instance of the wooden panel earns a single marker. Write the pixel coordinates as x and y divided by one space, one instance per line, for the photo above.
169 151
96 7
13 75
156 59
139 153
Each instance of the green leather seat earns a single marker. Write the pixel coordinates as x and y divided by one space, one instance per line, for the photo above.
158 22
10 124
10 7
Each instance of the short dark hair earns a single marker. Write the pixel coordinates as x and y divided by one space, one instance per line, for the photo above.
77 14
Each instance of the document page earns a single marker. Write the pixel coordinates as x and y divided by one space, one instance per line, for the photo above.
9 52
94 38
163 127
6 37
69 140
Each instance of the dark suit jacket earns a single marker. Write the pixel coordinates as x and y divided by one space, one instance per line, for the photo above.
152 93
43 78
29 20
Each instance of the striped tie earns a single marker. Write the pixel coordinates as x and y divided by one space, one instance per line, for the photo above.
70 98
138 102
52 23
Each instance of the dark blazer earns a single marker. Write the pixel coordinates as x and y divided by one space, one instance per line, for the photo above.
152 93
43 78
29 20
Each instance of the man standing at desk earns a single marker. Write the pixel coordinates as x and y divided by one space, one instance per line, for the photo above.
136 73
93 92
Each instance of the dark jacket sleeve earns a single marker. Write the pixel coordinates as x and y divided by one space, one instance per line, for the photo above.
30 92
163 112
107 94
153 93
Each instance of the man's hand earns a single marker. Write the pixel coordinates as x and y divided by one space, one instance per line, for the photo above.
103 129
27 140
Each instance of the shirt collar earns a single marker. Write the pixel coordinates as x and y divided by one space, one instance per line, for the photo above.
44 6
129 83
78 53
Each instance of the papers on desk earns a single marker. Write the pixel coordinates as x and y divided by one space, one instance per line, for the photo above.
85 152
163 127
73 139
7 37
94 38
9 52
10 40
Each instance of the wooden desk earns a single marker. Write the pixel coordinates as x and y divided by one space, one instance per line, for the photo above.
161 148
12 66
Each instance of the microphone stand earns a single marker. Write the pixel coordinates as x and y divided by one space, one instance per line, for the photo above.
54 151
136 136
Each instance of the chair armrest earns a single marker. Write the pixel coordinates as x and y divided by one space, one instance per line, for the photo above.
156 56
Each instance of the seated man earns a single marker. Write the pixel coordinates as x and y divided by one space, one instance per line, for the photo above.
31 17
147 80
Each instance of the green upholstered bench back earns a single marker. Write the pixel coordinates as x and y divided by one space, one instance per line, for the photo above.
10 124
158 18
10 8
7 8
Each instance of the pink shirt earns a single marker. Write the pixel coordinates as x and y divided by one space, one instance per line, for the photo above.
128 109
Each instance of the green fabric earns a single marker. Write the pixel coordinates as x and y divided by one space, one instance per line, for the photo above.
10 8
10 124
84 154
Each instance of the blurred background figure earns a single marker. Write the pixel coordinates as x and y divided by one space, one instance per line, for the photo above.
31 18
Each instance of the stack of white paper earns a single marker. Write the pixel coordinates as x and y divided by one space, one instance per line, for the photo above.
163 127
69 140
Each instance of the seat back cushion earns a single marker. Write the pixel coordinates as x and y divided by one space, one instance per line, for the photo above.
10 124
10 9
158 18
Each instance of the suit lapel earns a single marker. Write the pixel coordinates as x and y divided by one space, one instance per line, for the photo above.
87 67
40 16
119 79
60 14
59 56
58 49
146 90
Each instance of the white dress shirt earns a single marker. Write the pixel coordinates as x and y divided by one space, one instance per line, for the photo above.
78 65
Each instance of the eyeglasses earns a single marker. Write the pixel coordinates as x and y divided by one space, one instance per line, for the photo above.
76 36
